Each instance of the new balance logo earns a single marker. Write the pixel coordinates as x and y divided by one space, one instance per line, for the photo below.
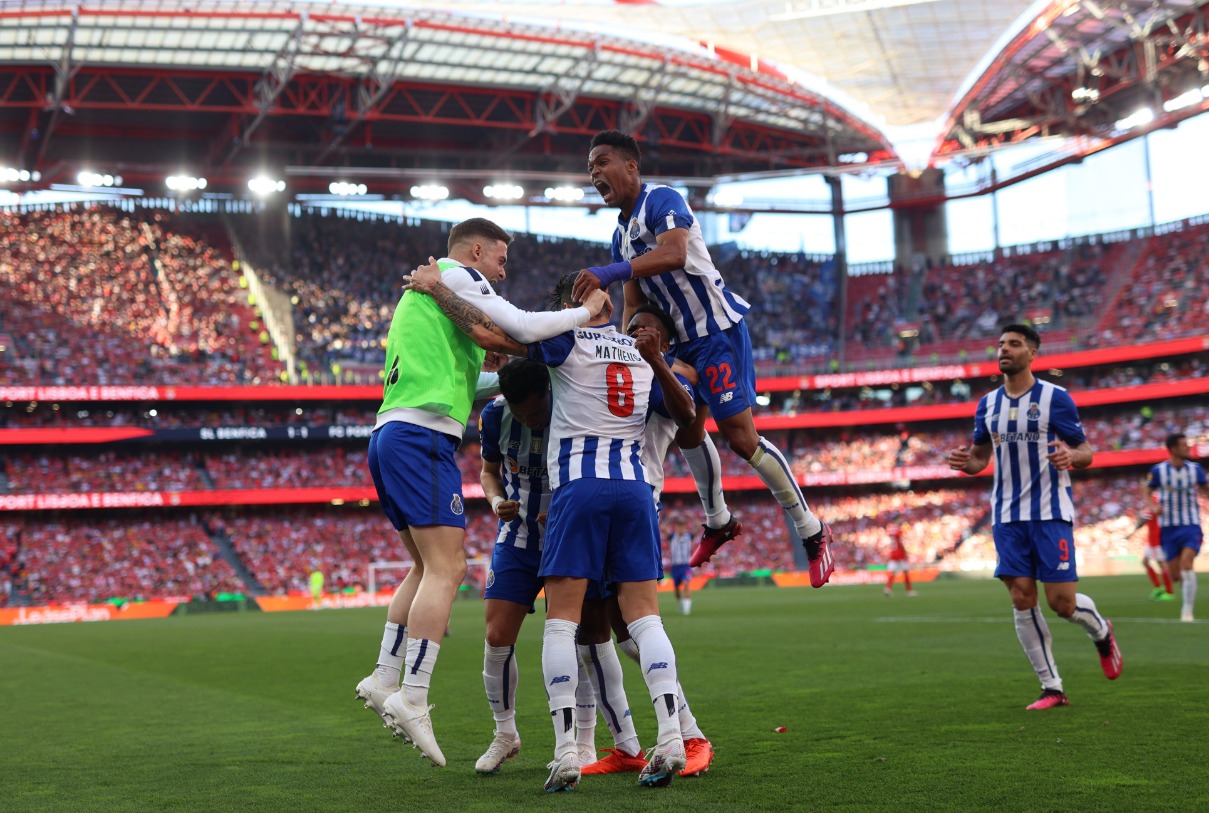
561 679
725 397
654 666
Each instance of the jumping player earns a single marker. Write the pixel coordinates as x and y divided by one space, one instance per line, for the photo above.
660 254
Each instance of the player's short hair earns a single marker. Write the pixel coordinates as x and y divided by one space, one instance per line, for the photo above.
560 295
521 379
1173 439
477 228
1030 335
661 315
622 142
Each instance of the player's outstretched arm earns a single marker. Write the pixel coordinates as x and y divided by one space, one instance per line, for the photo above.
474 323
669 254
676 399
633 299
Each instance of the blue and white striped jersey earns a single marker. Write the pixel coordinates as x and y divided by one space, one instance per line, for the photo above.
1026 487
695 296
660 432
1177 492
601 387
522 453
680 547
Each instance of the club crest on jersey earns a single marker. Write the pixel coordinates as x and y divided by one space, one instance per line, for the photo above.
490 578
634 228
455 505
1034 411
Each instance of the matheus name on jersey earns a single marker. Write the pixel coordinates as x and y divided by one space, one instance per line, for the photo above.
601 387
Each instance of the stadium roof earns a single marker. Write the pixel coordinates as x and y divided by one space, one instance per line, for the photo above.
712 88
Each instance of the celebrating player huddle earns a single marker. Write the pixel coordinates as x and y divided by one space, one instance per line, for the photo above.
577 505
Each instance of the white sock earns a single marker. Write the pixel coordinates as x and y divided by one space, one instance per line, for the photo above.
1034 636
1088 618
686 606
561 676
706 467
390 662
500 674
585 709
604 671
688 723
417 672
770 464
658 661
1188 588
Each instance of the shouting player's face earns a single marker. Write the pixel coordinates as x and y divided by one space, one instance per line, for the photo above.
615 178
1015 354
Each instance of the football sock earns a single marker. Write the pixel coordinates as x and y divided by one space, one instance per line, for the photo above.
1154 577
658 661
686 606
907 580
604 671
585 710
1086 616
1167 582
770 465
890 581
499 679
706 467
417 671
561 675
1034 636
390 662
688 723
1188 578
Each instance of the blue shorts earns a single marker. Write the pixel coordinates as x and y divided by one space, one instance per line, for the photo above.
727 373
1177 537
602 529
513 575
1038 549
417 476
680 574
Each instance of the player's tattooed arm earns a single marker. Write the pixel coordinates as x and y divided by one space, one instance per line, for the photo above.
474 323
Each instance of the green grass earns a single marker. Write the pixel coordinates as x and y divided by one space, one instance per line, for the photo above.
911 704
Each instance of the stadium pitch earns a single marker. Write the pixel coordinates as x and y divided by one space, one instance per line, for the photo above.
903 703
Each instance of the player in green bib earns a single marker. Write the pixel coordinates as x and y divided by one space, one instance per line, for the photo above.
432 368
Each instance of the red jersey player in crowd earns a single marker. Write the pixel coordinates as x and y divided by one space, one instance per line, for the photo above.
898 561
1153 554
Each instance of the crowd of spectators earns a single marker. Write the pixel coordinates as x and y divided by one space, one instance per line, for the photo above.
43 472
1165 296
119 557
98 296
12 566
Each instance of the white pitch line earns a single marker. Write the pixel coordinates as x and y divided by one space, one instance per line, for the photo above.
927 619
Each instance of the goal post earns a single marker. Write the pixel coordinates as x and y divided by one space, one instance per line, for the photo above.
477 569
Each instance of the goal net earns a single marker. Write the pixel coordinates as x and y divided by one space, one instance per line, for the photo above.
384 575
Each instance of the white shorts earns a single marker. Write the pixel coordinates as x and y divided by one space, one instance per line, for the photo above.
898 565
1154 554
